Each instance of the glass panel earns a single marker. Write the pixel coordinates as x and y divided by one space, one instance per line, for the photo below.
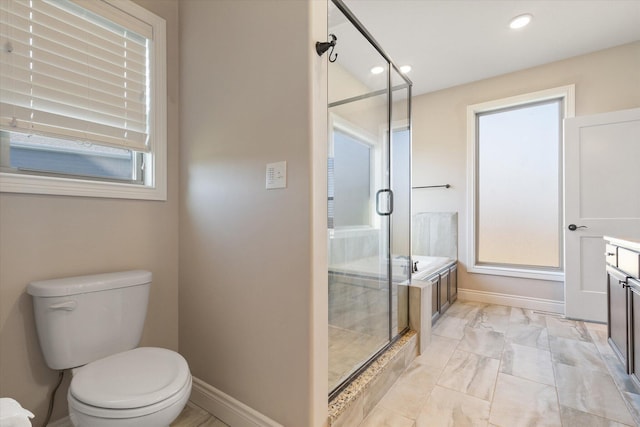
36 154
519 183
401 186
359 297
351 180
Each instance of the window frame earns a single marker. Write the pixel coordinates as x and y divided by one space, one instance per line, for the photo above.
155 180
567 95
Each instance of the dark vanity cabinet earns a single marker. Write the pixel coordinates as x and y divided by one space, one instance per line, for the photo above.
634 295
623 302
444 290
618 314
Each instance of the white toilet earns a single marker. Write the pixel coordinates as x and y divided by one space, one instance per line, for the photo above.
93 324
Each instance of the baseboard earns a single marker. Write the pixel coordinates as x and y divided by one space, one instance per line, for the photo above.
226 408
63 422
538 304
217 403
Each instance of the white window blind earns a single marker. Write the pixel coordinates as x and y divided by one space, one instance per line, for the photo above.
74 70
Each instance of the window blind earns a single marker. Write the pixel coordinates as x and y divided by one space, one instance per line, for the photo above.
74 70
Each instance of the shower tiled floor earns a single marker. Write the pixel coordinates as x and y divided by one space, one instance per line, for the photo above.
347 349
355 334
490 365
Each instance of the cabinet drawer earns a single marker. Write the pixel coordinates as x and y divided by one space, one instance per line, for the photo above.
611 254
629 262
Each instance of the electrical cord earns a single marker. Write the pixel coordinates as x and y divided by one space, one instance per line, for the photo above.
52 399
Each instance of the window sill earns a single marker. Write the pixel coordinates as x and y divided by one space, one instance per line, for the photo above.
30 184
523 273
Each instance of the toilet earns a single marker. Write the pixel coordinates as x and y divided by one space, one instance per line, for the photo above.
93 325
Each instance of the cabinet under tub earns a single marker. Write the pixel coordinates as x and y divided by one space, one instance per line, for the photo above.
442 274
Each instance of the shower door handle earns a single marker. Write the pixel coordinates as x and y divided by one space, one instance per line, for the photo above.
390 199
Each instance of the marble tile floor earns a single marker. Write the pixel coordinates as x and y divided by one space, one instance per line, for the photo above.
496 366
193 416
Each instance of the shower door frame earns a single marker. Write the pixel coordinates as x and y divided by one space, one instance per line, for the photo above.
393 337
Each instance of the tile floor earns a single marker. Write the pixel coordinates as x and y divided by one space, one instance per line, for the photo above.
193 416
347 349
358 325
490 365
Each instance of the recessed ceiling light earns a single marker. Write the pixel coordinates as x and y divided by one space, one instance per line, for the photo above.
377 70
520 21
405 68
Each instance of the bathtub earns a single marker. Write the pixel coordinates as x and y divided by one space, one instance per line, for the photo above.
429 265
372 271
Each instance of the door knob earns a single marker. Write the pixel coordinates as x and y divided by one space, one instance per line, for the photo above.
574 227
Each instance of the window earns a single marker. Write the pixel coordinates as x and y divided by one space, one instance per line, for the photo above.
353 156
350 180
82 99
515 153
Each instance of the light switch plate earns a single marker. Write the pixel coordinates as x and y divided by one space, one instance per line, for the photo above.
276 175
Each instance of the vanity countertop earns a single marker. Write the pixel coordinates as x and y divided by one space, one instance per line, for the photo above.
633 244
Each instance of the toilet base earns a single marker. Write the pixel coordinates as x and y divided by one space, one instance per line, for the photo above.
161 418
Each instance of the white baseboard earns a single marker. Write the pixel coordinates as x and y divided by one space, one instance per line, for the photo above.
217 403
538 304
226 408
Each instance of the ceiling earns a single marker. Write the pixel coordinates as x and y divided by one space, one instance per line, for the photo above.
452 42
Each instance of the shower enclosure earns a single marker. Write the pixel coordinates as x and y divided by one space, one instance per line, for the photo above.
369 215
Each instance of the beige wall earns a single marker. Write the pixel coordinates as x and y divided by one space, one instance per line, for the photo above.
44 237
253 275
608 80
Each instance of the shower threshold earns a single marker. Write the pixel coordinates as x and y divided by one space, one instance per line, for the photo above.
358 395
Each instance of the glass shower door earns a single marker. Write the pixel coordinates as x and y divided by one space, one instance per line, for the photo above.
369 192
360 203
400 163
369 209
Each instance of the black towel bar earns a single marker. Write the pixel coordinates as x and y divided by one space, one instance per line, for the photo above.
433 186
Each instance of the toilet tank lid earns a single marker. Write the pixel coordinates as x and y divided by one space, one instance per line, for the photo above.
85 284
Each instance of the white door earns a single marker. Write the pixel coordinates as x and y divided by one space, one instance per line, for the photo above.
602 198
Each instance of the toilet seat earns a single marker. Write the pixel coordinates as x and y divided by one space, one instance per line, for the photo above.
130 384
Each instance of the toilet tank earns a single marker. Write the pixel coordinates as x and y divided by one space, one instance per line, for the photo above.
85 318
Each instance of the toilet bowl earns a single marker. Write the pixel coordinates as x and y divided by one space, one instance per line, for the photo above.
92 325
144 387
